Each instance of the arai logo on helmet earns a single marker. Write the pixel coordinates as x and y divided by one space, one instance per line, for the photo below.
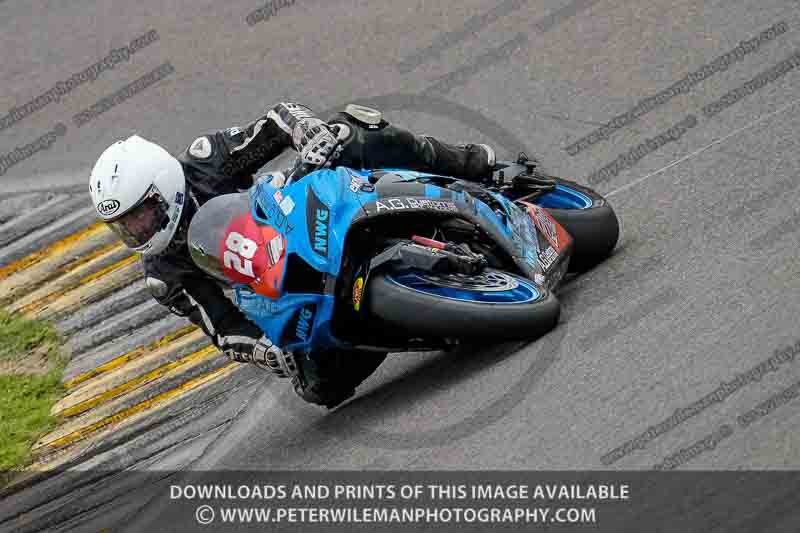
107 207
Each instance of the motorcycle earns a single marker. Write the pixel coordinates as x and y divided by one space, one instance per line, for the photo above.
397 260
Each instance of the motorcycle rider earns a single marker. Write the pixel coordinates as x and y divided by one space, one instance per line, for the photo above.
148 198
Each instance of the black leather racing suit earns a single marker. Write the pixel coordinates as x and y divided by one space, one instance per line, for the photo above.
224 162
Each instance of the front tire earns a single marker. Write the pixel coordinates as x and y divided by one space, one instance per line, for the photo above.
494 305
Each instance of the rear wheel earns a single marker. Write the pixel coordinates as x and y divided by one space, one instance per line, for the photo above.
587 217
493 305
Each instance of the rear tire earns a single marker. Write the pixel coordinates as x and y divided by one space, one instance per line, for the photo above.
595 229
408 300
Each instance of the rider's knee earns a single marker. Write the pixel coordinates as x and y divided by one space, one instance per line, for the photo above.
326 394
360 117
331 377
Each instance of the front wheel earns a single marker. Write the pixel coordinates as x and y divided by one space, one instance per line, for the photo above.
494 305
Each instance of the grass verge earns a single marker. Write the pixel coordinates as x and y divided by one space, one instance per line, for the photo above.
31 367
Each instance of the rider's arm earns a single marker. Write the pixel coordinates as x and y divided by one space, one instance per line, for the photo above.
287 125
225 161
204 303
192 295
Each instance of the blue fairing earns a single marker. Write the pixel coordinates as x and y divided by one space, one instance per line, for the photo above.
314 216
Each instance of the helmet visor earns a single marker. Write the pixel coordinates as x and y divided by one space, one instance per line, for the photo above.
140 224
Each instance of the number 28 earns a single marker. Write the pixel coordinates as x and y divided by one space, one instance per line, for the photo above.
239 254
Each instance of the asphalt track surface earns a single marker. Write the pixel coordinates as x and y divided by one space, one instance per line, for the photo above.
705 286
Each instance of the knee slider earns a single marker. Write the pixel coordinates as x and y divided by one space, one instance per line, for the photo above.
364 116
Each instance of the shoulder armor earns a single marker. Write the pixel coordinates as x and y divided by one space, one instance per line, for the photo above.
157 287
201 148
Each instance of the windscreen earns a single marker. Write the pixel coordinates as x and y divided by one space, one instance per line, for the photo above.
228 244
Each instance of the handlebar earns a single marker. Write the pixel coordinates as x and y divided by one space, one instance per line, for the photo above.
298 170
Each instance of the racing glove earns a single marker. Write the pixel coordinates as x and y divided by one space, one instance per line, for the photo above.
315 141
260 352
270 357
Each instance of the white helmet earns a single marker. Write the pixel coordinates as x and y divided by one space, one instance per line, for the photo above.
139 190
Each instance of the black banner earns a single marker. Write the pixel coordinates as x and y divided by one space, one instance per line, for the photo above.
167 501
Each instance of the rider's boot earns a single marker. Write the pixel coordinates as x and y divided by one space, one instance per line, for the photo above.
473 162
